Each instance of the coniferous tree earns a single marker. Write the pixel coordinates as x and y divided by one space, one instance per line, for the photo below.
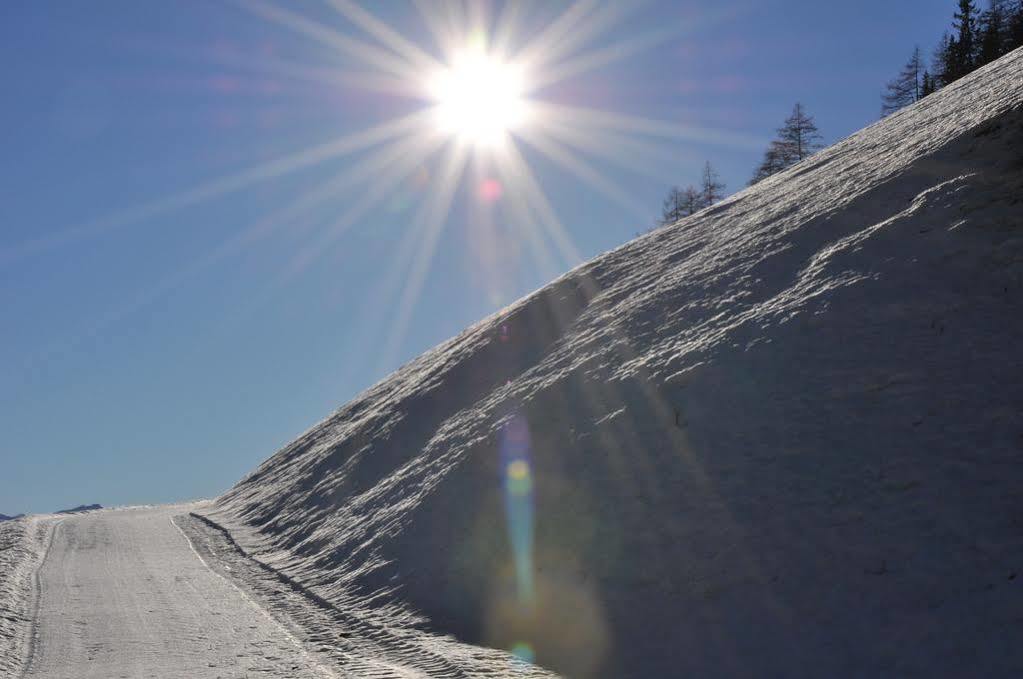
680 203
964 55
977 39
691 201
927 85
772 163
712 188
799 137
672 208
907 88
992 33
942 65
1014 28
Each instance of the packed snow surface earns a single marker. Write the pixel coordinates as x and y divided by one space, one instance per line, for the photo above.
779 438
155 591
125 594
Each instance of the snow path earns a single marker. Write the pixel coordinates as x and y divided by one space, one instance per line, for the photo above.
124 594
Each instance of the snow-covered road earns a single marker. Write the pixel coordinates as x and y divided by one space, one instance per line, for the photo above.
124 594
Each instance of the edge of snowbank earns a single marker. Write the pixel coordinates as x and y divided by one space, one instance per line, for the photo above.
23 546
283 577
364 643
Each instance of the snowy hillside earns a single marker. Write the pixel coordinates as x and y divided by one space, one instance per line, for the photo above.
783 437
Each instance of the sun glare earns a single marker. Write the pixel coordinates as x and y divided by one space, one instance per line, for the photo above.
479 98
479 90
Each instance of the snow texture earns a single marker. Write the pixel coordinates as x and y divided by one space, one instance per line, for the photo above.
339 638
125 593
781 437
22 546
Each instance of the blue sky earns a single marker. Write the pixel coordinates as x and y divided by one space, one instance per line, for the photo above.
157 343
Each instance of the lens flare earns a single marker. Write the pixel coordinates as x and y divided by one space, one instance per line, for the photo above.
518 500
519 482
523 652
490 190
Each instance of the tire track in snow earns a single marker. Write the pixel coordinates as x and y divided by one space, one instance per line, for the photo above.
324 671
362 648
120 595
30 642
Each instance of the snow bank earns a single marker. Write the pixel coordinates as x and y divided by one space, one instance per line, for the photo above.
22 546
779 438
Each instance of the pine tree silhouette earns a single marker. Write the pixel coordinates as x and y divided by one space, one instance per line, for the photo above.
964 53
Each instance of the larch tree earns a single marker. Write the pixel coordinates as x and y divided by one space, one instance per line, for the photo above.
773 163
906 89
673 208
680 203
712 188
799 137
692 201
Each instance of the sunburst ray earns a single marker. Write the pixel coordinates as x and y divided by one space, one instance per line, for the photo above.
604 56
581 169
385 175
538 201
542 48
599 120
518 210
429 223
385 34
445 22
505 26
362 51
627 152
270 170
388 168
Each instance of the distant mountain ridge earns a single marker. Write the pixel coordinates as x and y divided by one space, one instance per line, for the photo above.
74 510
79 509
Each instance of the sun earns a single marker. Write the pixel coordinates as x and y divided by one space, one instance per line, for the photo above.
479 98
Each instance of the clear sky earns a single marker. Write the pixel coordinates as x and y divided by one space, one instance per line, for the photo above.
175 306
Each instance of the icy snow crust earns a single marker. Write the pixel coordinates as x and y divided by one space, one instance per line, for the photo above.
779 438
22 546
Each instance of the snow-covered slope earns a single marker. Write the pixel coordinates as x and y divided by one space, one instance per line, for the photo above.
783 437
